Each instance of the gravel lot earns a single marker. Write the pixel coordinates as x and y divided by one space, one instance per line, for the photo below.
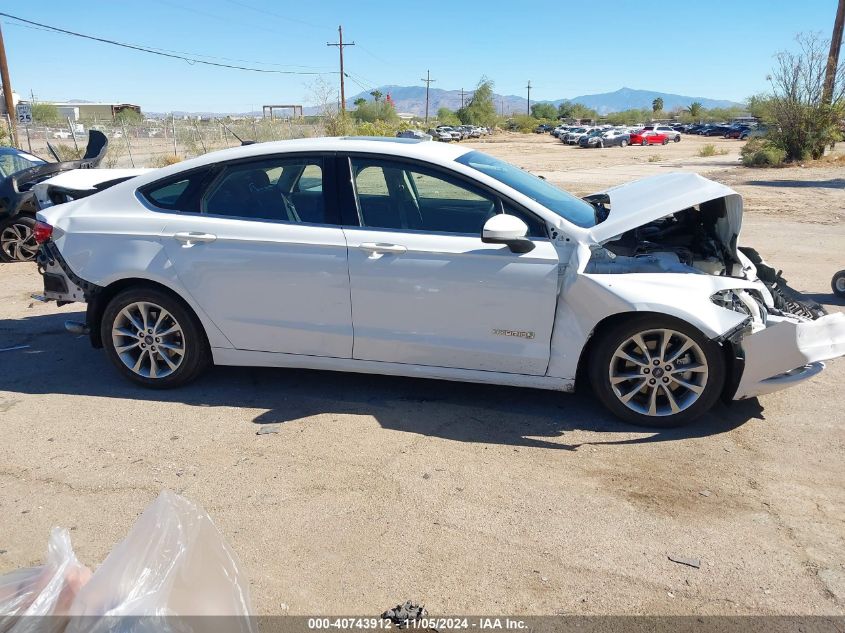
469 498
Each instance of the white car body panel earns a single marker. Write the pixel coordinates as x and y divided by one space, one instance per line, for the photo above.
81 180
642 201
443 305
452 301
785 345
273 287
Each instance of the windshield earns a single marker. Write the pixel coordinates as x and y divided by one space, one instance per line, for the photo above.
13 160
557 200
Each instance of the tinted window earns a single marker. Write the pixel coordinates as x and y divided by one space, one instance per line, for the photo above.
398 196
177 193
280 189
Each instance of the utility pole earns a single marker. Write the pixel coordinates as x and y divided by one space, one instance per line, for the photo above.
427 82
7 91
833 56
462 98
529 96
340 46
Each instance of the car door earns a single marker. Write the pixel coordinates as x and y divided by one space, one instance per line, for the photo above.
426 290
261 250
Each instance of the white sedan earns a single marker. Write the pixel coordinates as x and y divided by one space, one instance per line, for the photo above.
395 256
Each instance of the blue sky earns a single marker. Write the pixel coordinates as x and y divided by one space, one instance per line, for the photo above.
719 49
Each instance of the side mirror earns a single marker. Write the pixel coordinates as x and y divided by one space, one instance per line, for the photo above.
507 229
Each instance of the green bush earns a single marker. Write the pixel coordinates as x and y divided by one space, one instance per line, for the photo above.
761 152
707 150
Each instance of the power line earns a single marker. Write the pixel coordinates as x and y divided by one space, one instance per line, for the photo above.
279 15
193 54
162 53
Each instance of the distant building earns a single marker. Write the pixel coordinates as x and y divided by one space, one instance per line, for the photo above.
78 110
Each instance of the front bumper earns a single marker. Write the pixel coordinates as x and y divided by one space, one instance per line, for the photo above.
789 351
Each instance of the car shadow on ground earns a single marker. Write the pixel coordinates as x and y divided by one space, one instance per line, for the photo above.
833 183
55 362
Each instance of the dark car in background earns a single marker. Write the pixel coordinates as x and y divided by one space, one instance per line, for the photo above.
608 138
715 130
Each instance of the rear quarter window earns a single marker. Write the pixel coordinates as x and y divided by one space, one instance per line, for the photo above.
178 193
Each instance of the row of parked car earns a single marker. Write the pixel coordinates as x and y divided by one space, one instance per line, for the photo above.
446 133
656 134
615 136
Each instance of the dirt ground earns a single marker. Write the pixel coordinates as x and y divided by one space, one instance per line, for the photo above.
471 499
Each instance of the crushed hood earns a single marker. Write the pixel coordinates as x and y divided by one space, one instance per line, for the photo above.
637 203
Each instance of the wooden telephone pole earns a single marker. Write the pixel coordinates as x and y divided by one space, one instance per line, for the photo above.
427 82
833 56
529 96
340 46
7 92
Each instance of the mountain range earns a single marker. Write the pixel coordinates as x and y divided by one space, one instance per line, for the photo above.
412 99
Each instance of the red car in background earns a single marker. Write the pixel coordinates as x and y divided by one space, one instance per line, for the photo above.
649 137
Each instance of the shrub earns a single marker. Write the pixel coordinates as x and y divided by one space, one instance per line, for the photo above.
707 150
69 152
655 158
376 128
761 152
164 160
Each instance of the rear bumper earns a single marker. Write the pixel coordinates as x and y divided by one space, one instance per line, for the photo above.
789 351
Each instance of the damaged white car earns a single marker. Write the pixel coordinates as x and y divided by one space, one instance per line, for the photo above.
422 259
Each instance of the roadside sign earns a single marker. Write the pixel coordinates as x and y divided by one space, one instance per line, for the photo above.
24 112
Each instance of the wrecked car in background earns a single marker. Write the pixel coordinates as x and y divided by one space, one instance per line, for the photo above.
19 172
393 256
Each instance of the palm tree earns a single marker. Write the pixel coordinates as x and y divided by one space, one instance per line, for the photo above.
376 94
657 104
695 109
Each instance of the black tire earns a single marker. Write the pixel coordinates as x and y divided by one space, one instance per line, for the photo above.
623 143
196 356
644 142
665 141
837 284
10 248
601 360
677 138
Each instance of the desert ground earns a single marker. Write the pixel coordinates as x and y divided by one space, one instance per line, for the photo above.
468 498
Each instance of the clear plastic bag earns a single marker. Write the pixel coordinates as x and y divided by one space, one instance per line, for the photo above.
172 566
46 590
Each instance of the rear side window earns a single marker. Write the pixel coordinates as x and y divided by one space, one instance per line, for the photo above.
177 193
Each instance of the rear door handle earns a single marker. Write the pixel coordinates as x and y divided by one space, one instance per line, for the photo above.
189 239
380 247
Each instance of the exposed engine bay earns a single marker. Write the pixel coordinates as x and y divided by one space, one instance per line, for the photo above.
692 241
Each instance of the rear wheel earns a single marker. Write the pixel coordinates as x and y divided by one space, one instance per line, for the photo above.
657 371
153 339
837 284
623 143
17 239
645 142
677 138
665 141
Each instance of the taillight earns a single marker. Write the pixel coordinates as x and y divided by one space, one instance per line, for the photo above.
42 232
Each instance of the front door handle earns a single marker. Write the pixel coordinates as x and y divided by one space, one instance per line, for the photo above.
189 239
380 247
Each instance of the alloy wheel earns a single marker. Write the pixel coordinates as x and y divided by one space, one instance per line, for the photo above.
148 340
658 372
18 242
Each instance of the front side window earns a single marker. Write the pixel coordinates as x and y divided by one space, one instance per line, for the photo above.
402 197
278 188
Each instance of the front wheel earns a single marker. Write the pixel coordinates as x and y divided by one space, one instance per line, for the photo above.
837 284
677 138
17 239
665 141
656 371
153 339
623 143
645 142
